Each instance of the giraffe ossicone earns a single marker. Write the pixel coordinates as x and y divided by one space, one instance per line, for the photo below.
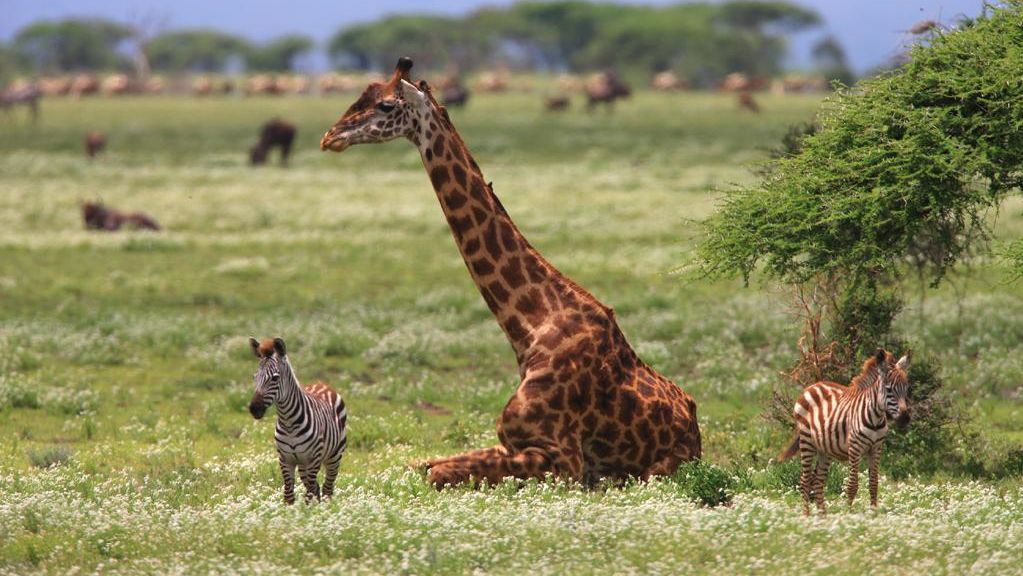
587 407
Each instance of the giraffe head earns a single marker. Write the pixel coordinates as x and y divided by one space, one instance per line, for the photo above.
272 356
385 111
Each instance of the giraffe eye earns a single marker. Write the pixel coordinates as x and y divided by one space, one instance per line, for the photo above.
385 106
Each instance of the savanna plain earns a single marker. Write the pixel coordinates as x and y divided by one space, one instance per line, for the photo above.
126 447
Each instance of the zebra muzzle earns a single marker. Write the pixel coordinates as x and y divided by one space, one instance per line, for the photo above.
257 408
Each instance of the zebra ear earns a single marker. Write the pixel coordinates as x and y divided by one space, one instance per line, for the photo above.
255 346
880 357
279 347
903 362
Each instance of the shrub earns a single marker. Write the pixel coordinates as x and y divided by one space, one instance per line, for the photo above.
49 456
704 483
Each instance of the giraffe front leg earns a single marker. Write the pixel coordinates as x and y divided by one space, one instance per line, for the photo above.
330 474
308 472
875 458
288 473
853 483
495 464
805 483
819 478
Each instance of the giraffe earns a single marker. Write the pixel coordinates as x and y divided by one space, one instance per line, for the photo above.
587 407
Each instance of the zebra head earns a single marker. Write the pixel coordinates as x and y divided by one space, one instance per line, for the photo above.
271 354
896 385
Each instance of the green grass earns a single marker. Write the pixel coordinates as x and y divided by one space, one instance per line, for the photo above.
125 445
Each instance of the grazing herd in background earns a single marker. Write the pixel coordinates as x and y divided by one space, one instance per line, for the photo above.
587 408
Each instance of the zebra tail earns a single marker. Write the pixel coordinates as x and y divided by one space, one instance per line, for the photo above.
791 450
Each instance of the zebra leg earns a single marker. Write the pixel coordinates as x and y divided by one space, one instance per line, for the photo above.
875 458
819 477
288 472
853 483
330 474
312 487
805 485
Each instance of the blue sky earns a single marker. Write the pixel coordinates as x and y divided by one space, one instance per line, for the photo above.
869 30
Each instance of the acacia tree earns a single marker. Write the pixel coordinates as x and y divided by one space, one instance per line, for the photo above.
900 175
279 55
72 44
200 50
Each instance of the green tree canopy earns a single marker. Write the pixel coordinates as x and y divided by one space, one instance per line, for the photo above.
902 168
432 41
701 41
199 50
279 55
829 58
72 44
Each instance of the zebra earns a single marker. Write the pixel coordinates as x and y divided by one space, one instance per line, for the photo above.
845 423
311 421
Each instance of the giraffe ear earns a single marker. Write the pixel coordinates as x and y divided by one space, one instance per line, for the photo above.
254 344
412 93
279 347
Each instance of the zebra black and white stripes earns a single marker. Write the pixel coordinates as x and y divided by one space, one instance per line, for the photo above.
311 421
846 423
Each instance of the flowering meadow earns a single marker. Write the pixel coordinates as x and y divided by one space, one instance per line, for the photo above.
126 446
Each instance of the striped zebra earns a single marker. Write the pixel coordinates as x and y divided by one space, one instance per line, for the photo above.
311 421
845 423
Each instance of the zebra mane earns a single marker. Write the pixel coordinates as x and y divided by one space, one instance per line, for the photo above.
869 373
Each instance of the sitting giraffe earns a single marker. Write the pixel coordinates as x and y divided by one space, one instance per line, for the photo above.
587 407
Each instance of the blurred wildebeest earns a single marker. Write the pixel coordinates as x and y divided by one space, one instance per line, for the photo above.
25 94
453 93
493 81
59 86
265 84
667 81
556 103
747 102
99 217
605 88
276 132
118 85
83 85
95 141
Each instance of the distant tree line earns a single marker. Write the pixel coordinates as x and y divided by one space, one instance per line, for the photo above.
701 42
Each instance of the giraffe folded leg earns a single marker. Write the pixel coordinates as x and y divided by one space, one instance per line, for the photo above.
669 464
471 455
495 464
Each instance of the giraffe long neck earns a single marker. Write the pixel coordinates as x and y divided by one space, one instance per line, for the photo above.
521 288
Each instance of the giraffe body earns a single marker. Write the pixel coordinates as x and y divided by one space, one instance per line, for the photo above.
587 407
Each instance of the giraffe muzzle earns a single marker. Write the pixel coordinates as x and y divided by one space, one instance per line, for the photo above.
333 140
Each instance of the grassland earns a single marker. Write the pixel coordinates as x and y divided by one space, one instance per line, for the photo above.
125 446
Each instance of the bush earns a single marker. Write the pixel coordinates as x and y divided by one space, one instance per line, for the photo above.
704 483
938 437
899 174
49 456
